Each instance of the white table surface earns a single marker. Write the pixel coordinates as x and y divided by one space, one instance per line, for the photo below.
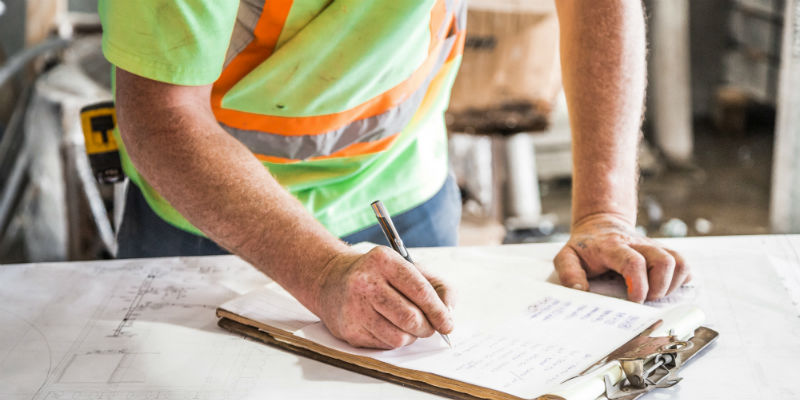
146 329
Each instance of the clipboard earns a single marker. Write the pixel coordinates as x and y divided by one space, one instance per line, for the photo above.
641 365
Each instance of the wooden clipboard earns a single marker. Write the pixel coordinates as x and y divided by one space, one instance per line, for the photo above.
633 358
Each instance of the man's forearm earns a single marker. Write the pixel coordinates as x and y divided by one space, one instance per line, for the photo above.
218 185
603 59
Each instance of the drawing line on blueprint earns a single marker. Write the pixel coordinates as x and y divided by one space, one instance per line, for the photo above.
787 281
139 395
106 349
141 291
56 372
46 343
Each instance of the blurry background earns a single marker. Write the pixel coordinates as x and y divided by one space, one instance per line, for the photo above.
708 160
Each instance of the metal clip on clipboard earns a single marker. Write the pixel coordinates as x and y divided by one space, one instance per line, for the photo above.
650 363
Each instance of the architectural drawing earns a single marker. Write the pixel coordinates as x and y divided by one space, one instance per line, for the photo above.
146 329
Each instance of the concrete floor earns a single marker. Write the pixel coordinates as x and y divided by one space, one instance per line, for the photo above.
725 192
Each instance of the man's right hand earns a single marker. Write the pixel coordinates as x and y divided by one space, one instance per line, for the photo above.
380 300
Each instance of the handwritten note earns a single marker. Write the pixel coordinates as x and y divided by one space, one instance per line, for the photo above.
514 333
548 334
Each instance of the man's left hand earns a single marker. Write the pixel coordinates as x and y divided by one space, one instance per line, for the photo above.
605 242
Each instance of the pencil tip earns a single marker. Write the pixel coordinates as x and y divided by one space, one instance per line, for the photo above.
447 340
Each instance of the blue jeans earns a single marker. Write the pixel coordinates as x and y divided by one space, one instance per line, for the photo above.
144 234
433 223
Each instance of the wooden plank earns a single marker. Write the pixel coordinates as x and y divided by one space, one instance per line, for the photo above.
510 73
43 17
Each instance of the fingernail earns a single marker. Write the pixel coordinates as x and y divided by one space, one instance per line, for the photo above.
577 286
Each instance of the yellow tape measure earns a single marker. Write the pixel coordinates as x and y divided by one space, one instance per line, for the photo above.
98 122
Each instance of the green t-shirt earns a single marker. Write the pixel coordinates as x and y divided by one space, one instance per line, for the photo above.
342 101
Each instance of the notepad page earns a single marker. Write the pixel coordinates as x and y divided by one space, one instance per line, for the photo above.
546 336
274 306
513 332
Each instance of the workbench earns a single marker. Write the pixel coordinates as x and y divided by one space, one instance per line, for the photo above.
146 329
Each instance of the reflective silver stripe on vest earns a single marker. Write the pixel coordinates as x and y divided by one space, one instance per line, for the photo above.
246 20
369 129
461 15
459 12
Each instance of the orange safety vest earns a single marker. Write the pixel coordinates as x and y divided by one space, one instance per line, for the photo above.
367 128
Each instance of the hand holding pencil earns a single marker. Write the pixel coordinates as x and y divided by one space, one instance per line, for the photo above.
393 237
380 300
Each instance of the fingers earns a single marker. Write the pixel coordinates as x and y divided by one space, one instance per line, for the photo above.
402 313
660 269
569 269
605 241
371 329
365 338
413 285
442 288
650 271
682 272
387 333
632 266
377 333
382 301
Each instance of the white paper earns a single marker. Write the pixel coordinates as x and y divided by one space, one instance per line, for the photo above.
275 307
613 285
57 323
147 330
747 302
522 339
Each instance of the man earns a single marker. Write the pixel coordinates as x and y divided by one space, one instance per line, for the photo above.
342 102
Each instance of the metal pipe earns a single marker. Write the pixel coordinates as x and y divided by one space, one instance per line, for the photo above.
524 203
12 136
672 106
13 185
18 61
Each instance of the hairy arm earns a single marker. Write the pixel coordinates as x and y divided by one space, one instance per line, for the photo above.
217 184
604 73
603 58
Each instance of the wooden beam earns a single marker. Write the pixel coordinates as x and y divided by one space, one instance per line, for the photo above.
43 17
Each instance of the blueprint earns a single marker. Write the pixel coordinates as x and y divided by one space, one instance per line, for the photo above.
146 329
138 330
72 331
